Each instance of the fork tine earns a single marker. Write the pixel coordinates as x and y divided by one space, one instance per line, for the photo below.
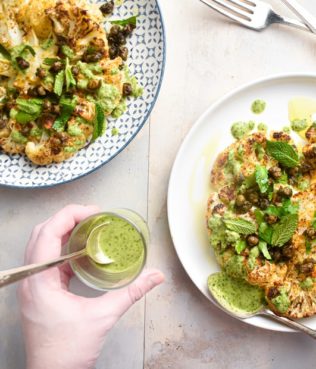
233 8
245 6
227 14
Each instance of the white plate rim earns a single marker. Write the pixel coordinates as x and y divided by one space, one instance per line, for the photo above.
191 132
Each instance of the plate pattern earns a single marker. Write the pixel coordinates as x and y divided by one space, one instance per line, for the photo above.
146 62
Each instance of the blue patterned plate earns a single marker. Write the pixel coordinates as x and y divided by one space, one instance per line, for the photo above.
146 61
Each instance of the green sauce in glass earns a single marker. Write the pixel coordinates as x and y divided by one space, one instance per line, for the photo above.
119 241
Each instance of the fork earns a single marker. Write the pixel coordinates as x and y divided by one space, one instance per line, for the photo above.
254 14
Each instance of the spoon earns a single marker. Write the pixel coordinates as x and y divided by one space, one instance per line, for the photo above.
91 250
262 311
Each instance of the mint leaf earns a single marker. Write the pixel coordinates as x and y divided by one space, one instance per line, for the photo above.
264 249
265 232
70 79
289 208
284 230
59 83
240 246
30 106
67 51
240 226
123 22
283 152
262 178
99 122
259 216
67 108
273 210
23 118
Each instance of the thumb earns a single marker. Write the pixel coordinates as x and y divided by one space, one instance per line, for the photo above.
121 300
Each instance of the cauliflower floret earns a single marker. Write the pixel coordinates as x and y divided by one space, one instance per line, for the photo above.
85 109
73 22
10 33
41 153
31 16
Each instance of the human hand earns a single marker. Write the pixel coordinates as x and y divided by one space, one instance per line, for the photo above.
63 330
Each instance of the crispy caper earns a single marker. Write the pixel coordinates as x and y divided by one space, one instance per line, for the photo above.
288 251
123 52
253 197
56 67
310 233
270 219
293 171
22 63
273 292
41 91
92 57
240 200
47 105
115 30
41 73
276 254
128 29
252 240
121 39
75 71
113 52
285 192
263 203
246 206
275 172
307 267
127 89
107 8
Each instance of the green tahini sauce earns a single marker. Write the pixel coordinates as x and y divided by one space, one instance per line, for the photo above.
241 129
121 242
235 295
258 106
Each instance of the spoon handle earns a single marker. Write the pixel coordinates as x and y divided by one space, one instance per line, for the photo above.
290 323
16 274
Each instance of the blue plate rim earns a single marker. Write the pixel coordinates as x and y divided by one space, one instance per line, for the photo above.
146 117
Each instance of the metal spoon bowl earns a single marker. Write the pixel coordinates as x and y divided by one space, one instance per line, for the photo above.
262 311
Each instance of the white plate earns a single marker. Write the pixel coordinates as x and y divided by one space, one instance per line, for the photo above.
190 177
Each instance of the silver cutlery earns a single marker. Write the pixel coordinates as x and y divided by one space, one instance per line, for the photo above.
302 13
263 311
92 250
254 14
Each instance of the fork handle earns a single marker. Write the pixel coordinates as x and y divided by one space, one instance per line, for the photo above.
276 18
302 13
290 323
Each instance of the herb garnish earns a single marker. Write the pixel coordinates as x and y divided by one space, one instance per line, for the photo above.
241 226
262 178
284 230
99 122
283 152
123 22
